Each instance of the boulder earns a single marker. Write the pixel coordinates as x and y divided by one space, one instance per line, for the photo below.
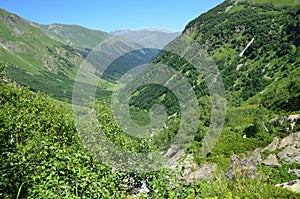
290 154
292 139
255 157
293 185
241 168
272 161
185 167
273 146
289 140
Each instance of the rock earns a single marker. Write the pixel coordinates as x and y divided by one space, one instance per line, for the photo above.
272 161
289 140
174 156
293 185
185 167
290 154
295 171
292 139
273 146
193 171
241 168
256 157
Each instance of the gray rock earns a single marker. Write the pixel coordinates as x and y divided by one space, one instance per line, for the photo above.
241 168
255 156
272 161
289 140
273 146
185 167
293 185
290 155
295 171
193 171
292 139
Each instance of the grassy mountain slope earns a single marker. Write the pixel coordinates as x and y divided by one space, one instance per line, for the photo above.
227 29
33 47
80 38
42 156
261 81
37 61
40 62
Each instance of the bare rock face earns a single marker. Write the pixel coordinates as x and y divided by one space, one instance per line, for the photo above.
272 161
185 167
288 147
295 171
273 146
293 185
242 168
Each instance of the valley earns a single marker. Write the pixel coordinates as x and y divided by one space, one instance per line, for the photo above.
212 112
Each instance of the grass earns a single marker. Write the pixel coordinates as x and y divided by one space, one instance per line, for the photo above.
278 3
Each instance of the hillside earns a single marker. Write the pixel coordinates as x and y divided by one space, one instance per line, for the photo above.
48 151
37 61
227 29
80 38
45 62
255 46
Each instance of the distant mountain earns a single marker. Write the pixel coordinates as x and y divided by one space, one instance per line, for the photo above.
47 64
78 37
149 42
149 38
253 43
47 57
116 32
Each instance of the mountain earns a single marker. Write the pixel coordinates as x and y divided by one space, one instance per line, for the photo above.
148 38
253 43
45 60
78 37
116 32
144 44
36 60
255 46
47 57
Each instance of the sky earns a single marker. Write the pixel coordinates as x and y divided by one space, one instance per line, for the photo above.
111 15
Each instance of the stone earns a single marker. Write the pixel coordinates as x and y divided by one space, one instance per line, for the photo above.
295 171
272 161
241 168
293 185
290 154
273 146
289 140
185 167
256 157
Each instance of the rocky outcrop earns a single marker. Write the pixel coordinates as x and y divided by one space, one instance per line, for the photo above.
287 150
290 154
293 185
273 146
243 168
272 161
185 167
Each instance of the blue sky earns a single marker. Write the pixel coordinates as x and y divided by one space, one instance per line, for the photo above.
109 15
